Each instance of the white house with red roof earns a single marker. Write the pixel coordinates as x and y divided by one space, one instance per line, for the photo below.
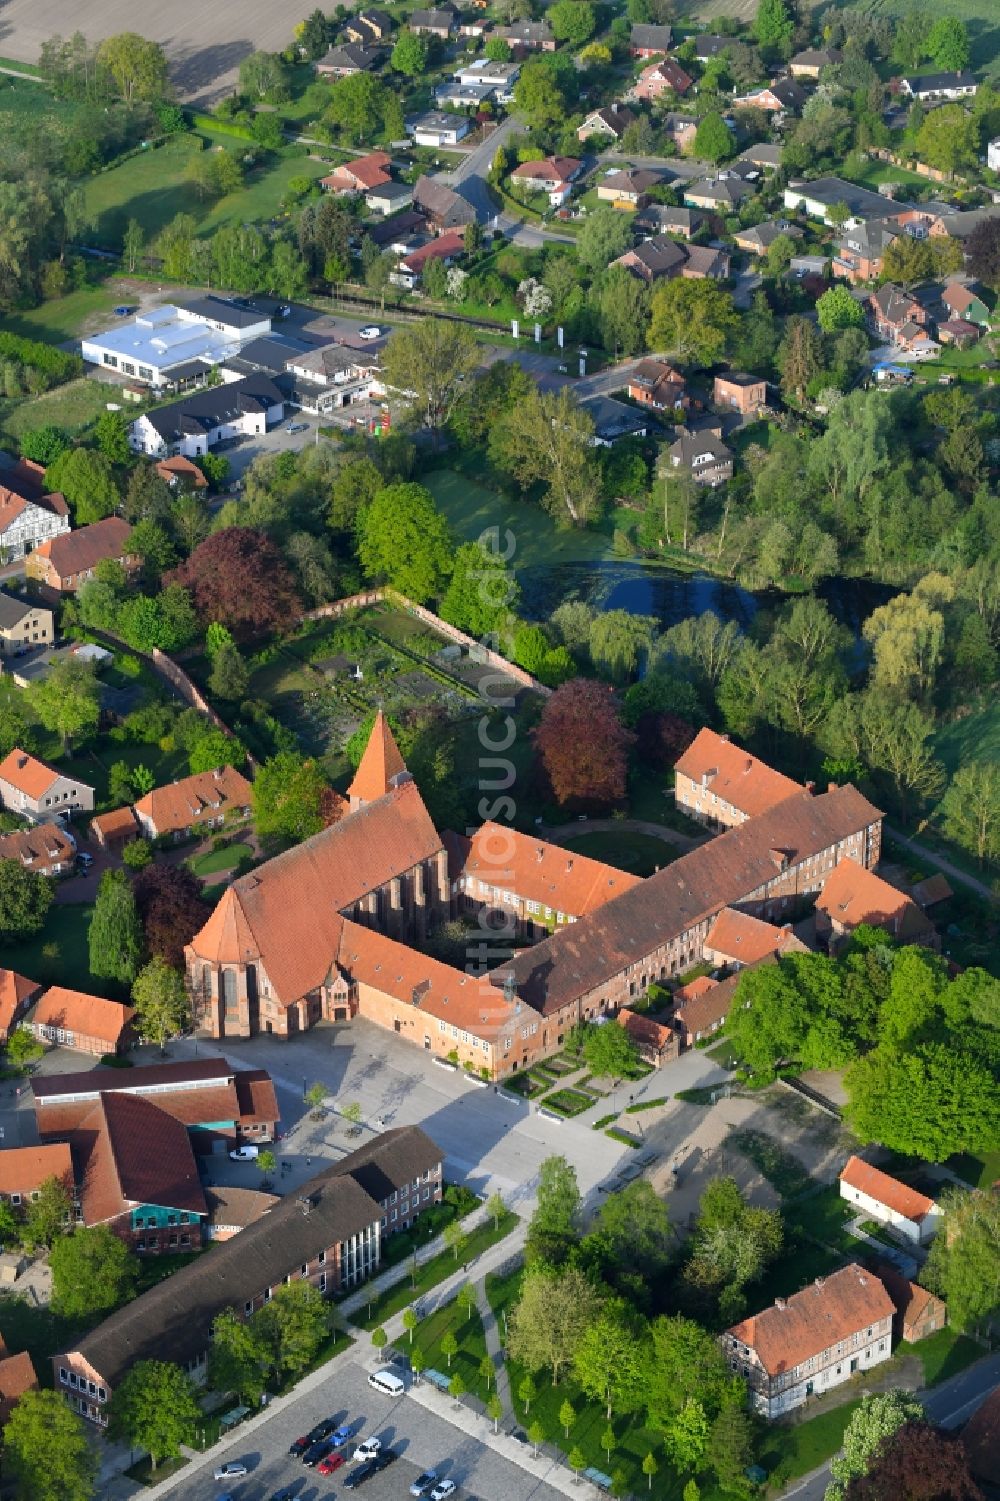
554 175
36 790
881 1197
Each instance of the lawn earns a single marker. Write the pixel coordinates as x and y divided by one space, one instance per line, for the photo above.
155 187
943 1354
93 762
468 1332
222 859
790 1451
396 1298
974 738
62 319
73 407
641 854
981 1172
58 954
822 1216
471 508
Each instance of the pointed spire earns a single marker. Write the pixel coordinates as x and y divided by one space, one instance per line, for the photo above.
379 764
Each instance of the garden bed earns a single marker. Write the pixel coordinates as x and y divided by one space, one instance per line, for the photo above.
568 1102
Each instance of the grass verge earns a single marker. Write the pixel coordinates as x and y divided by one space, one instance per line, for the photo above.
436 1270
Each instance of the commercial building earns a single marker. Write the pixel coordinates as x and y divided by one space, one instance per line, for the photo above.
175 341
195 423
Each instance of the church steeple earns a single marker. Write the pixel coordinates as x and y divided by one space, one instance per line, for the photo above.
379 765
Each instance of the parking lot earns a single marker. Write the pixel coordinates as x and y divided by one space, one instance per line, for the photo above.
422 1439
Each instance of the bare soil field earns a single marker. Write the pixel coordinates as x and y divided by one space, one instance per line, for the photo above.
205 43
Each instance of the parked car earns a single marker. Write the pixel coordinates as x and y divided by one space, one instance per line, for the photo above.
235 1469
297 427
424 1483
385 1458
84 860
246 1153
358 1477
371 332
300 1446
443 1490
367 1449
315 1452
333 1461
124 309
340 1436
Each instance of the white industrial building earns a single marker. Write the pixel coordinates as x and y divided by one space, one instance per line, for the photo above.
176 342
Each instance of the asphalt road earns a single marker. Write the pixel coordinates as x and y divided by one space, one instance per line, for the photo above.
423 1440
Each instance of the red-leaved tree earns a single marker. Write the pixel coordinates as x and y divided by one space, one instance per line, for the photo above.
918 1463
171 909
663 737
239 577
582 744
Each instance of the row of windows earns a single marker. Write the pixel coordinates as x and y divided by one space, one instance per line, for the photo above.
81 1383
152 1242
153 1221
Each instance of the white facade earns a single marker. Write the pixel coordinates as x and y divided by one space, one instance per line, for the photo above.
32 524
62 795
148 347
918 1231
439 130
774 1396
145 438
993 155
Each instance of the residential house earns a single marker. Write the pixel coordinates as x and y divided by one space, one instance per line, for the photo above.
852 896
861 249
957 332
46 849
205 800
16 994
763 154
195 423
499 77
329 1233
707 46
759 239
680 129
368 26
17 1376
347 58
879 1196
231 1210
657 1044
613 421
811 62
939 87
447 247
918 1312
554 176
649 41
176 342
628 187
963 300
441 205
704 456
722 194
782 96
180 473
701 1007
439 23
38 791
23 1170
659 218
389 198
138 1175
613 121
359 175
662 77
534 36
67 562
893 313
498 872
87 1023
655 384
817 1339
333 375
718 783
746 394
738 940
24 625
436 128
29 515
221 1106
655 258
817 198
706 261
115 829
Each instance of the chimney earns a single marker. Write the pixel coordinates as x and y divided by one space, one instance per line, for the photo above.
780 1304
724 737
831 786
748 766
306 1205
810 787
615 108
820 1281
509 987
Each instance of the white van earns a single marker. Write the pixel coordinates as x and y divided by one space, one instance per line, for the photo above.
386 1382
246 1153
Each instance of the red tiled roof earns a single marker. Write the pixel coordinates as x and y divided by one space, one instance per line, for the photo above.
539 872
734 775
17 1376
380 762
81 550
367 171
852 894
15 991
553 169
911 1300
452 242
179 465
286 913
643 1031
25 1168
885 1189
27 773
830 1310
84 1015
746 940
206 793
256 1097
118 822
200 1091
137 1155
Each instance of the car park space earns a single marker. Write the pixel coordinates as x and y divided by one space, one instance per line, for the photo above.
419 1440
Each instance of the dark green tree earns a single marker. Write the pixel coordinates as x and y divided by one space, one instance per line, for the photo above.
155 1408
93 1271
405 539
25 898
115 937
47 1451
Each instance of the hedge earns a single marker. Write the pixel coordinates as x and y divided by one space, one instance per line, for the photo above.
54 363
221 127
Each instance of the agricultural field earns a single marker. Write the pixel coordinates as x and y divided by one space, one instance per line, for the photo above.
153 188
